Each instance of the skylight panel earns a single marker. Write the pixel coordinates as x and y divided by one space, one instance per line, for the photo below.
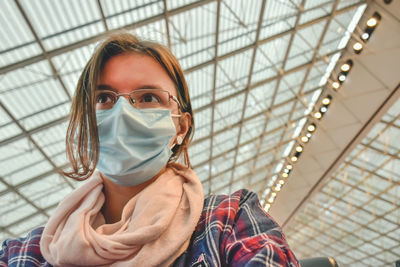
33 74
279 16
34 98
225 141
346 3
315 10
124 13
224 119
20 43
237 25
58 24
192 44
232 74
252 129
259 100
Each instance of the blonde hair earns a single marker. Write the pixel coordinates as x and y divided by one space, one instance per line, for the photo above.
82 142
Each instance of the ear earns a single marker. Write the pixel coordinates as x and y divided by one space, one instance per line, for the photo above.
185 121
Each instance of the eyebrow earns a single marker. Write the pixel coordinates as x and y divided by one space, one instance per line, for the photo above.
148 86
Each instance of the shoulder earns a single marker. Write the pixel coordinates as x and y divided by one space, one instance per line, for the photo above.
23 251
241 209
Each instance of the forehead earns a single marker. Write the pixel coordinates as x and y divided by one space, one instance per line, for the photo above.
129 71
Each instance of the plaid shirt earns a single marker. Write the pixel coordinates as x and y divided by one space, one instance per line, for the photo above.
232 231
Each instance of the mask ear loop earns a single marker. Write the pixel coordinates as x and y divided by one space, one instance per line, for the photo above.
179 139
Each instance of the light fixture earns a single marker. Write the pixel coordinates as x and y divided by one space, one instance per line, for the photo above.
304 139
311 127
317 115
273 194
271 200
335 85
365 36
289 167
293 159
371 22
342 77
326 100
308 135
357 47
281 181
323 109
299 148
277 188
286 171
285 175
345 67
267 206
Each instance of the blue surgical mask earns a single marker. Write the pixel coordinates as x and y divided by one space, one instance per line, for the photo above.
134 143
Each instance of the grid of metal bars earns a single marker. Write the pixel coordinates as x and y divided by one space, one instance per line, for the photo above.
247 100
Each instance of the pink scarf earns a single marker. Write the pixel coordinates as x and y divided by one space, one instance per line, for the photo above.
154 230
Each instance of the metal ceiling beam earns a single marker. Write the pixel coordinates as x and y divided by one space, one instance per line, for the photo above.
271 38
31 140
100 36
150 20
103 17
270 79
44 51
166 19
34 179
278 81
234 148
314 57
244 176
246 93
214 89
338 239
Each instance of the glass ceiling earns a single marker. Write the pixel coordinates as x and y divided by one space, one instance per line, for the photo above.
254 69
355 217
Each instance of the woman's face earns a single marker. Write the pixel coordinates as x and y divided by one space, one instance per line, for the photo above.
127 72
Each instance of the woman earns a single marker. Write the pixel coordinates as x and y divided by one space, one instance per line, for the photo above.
131 119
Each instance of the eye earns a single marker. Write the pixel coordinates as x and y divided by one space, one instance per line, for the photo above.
149 98
105 98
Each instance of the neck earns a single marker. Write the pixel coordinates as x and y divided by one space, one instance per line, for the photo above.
116 197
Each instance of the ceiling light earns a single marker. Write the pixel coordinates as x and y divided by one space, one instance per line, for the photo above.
323 109
293 159
372 22
277 188
267 206
335 85
299 148
289 167
285 175
281 182
326 100
308 135
273 194
311 127
286 170
345 67
342 77
365 36
304 139
271 200
317 115
357 47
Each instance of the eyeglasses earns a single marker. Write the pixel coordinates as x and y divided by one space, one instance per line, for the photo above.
139 98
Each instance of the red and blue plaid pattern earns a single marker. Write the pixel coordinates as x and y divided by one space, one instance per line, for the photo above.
233 231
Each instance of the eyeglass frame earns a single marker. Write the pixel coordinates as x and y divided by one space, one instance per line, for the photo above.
131 100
